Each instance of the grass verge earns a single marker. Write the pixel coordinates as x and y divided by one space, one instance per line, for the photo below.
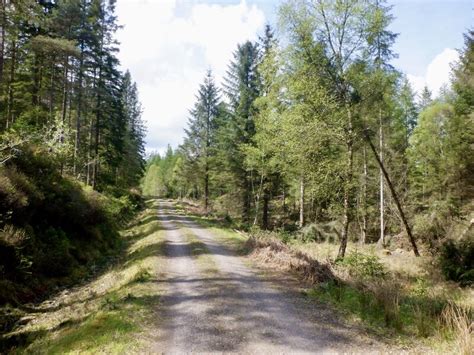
112 313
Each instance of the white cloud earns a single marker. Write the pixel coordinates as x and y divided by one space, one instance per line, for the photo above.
437 73
168 52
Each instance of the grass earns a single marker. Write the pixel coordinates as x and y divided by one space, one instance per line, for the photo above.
224 234
200 252
113 312
411 312
459 326
104 332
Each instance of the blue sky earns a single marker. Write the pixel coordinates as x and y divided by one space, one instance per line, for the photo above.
426 28
169 44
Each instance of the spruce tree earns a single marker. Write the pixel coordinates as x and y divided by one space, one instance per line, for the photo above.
200 141
241 87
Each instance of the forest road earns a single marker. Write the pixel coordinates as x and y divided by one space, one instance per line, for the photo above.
234 309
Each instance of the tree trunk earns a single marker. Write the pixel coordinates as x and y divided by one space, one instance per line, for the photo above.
35 99
206 171
70 97
77 140
246 199
381 182
206 187
51 90
11 93
301 201
97 136
347 188
3 19
65 90
363 239
89 155
266 200
394 195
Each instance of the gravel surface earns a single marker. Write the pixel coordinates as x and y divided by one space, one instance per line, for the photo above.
236 309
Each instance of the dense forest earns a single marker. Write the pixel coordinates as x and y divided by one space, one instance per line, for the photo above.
317 203
317 134
71 142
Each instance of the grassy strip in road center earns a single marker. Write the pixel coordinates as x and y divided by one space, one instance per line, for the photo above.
199 252
235 241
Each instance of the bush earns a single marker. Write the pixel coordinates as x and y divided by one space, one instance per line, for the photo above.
55 259
321 232
53 226
363 266
310 233
457 261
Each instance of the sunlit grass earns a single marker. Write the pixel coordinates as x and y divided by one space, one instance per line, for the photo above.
200 252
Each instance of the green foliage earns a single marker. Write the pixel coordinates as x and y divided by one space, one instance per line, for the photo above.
60 87
457 261
54 259
52 226
363 266
164 176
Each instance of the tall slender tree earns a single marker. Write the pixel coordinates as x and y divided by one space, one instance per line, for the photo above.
241 87
200 140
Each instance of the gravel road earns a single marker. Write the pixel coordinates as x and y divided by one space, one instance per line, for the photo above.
235 309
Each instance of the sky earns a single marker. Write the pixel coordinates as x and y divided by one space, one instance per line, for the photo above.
168 45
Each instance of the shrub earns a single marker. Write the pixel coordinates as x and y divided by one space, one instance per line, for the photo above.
363 266
51 226
457 261
310 233
321 232
55 260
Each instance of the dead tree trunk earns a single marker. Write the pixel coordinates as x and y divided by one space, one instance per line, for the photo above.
394 195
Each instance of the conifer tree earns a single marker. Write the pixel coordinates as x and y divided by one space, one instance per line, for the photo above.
241 87
200 141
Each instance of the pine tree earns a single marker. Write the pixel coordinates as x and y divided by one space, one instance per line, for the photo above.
60 73
425 98
200 141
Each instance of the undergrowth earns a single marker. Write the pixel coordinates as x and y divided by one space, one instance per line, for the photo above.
110 313
390 305
53 229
